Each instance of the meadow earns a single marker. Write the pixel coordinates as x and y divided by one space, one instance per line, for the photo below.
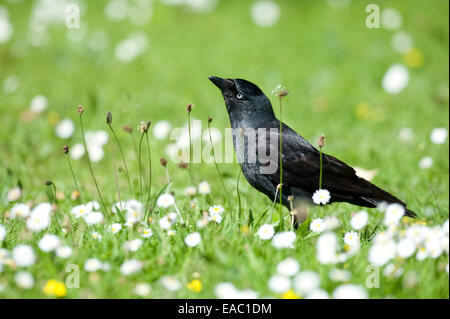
379 95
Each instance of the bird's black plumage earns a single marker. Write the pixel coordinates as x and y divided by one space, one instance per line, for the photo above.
249 108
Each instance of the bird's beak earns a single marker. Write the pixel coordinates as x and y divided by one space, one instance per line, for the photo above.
222 84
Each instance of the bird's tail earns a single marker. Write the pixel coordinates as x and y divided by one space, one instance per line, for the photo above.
391 200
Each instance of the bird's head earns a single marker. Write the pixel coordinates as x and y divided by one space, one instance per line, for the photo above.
243 98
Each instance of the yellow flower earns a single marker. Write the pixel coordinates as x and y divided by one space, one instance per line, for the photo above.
54 288
244 229
363 111
53 118
195 286
413 58
290 294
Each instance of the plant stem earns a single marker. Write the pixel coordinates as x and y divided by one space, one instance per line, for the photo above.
123 157
217 167
73 174
281 161
90 166
320 174
117 183
140 166
239 194
150 172
190 148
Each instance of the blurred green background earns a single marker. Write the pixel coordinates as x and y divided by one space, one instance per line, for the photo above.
321 51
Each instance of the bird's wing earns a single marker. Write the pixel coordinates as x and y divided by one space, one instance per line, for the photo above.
301 169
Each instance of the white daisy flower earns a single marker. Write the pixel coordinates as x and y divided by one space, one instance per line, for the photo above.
80 211
349 291
63 251
284 239
4 254
96 236
116 10
392 270
265 13
317 225
92 265
165 201
215 217
115 228
20 210
406 248
391 18
24 280
96 138
132 245
406 134
381 254
171 232
203 222
216 209
190 191
394 212
38 104
318 294
306 282
439 135
351 238
147 233
142 289
279 284
193 239
64 128
39 217
96 153
321 197
165 223
340 275
23 255
13 194
77 151
93 205
266 232
161 130
170 283
93 218
225 290
131 48
2 232
326 247
332 222
6 28
204 188
395 79
49 242
133 215
11 83
288 267
426 162
359 220
402 42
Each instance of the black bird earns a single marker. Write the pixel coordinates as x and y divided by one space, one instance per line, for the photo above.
249 108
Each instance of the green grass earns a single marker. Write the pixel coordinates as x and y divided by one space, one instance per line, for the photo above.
328 60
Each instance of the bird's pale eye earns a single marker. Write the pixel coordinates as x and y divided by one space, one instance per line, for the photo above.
239 96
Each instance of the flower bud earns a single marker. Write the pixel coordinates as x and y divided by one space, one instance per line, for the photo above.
108 117
321 142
